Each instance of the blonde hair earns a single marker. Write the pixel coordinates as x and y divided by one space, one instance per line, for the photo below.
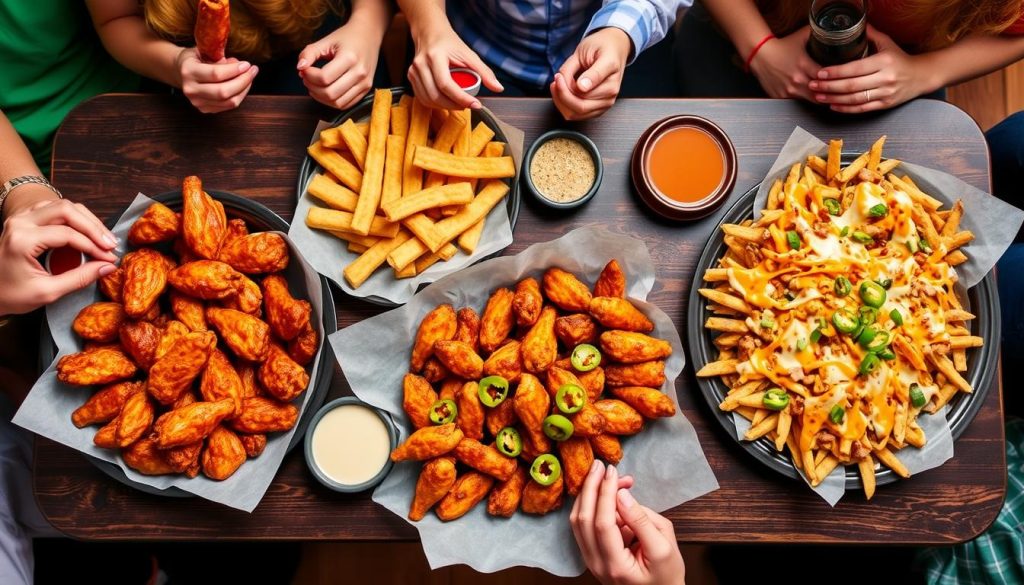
260 29
947 20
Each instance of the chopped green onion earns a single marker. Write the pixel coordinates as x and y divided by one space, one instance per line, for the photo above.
886 354
767 323
801 344
862 238
845 321
880 210
815 335
868 364
896 317
843 286
925 245
912 246
917 399
794 239
844 231
775 399
790 296
837 414
872 294
832 205
868 315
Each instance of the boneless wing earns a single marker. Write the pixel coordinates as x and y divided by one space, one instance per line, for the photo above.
105 404
257 253
206 279
175 371
102 365
265 415
204 223
437 325
281 376
191 423
428 442
286 315
223 455
157 224
246 336
99 321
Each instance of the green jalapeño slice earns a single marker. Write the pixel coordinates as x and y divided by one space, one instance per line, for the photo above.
585 357
546 469
557 427
509 442
443 412
570 398
493 390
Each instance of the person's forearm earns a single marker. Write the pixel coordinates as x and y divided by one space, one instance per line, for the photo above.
423 15
374 15
741 21
125 36
17 161
971 57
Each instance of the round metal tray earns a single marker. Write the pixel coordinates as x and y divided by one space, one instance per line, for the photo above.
361 111
983 301
259 218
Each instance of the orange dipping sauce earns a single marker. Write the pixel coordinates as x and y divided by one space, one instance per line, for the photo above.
686 164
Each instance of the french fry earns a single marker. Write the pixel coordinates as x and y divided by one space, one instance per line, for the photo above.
835 153
785 421
944 365
941 398
346 172
818 165
718 368
866 467
875 154
394 159
447 252
928 202
450 131
468 167
407 253
851 170
824 468
362 267
364 241
355 141
357 248
726 325
749 233
480 139
449 228
762 427
457 193
332 194
407 272
331 138
373 175
400 120
470 238
341 221
960 360
419 125
726 300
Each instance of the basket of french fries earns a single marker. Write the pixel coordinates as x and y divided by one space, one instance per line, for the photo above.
829 322
395 194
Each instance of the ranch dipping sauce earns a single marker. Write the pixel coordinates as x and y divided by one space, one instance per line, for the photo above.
351 444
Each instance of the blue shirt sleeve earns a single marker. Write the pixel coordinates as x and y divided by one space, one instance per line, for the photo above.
645 21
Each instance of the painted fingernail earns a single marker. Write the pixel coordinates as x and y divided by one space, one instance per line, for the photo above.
626 499
611 471
302 63
107 269
585 83
243 66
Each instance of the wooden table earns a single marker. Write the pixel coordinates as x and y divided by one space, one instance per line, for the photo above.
114 146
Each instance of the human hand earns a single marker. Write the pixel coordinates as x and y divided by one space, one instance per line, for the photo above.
623 543
437 51
28 232
784 68
214 87
883 80
348 74
587 84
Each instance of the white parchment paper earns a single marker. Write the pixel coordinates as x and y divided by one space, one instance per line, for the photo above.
329 255
48 407
666 458
994 224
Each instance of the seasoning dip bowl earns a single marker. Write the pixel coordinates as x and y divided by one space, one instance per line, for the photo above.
348 445
684 167
467 79
563 169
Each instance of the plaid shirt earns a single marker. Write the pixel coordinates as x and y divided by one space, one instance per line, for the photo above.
997 556
530 39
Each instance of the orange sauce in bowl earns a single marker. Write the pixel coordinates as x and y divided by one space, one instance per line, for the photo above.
686 164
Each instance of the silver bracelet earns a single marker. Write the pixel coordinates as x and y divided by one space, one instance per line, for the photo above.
16 182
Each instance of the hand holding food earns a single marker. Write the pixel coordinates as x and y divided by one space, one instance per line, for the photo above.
189 381
588 82
520 409
623 542
838 315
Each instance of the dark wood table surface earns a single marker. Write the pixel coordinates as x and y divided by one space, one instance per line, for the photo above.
114 146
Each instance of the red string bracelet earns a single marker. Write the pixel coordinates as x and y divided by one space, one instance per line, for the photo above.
753 52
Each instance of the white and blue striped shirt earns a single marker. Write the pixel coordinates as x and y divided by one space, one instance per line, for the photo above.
530 39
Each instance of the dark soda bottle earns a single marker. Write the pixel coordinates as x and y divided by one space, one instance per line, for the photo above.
838 31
